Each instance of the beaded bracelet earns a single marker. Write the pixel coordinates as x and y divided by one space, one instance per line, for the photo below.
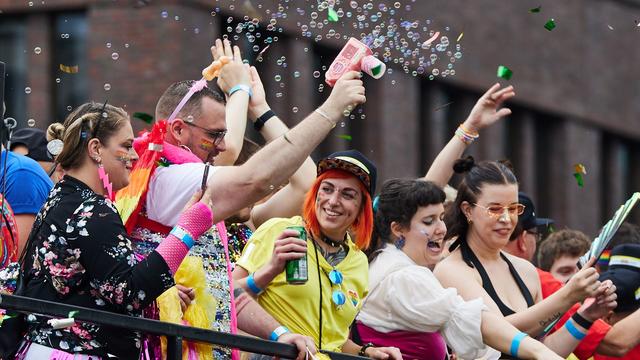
465 135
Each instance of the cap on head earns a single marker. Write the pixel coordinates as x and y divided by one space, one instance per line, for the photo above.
354 162
36 142
528 219
624 271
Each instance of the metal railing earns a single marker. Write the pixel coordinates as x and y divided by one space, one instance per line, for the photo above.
175 334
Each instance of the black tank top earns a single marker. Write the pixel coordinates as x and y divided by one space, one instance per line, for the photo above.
472 260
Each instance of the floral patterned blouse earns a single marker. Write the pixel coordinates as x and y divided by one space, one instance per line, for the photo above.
82 256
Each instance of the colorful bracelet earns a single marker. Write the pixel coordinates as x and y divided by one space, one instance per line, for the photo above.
243 87
279 331
183 235
573 330
251 283
515 343
466 136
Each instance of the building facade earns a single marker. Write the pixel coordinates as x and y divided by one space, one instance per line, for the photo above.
575 101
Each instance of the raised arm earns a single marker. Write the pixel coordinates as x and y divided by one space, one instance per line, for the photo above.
287 202
484 113
235 111
238 186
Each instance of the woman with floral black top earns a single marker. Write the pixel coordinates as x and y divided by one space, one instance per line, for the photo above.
78 251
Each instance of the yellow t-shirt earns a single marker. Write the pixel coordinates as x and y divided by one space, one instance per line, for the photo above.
296 306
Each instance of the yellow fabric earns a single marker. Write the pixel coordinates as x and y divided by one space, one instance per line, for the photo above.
200 313
296 306
573 357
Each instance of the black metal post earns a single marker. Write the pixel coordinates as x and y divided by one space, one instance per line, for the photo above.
174 347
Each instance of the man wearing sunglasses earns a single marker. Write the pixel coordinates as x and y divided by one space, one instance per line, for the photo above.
195 137
528 231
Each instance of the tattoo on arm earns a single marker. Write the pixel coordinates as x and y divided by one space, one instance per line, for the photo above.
237 292
548 321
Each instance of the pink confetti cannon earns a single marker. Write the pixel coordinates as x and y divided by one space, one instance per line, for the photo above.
354 56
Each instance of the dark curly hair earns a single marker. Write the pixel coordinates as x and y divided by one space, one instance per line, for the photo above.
398 201
474 178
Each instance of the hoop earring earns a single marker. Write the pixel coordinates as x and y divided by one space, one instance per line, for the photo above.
400 242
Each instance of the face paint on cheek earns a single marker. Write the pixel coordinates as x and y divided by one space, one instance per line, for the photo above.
123 156
206 145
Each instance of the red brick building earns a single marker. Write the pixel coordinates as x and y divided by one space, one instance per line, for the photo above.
576 101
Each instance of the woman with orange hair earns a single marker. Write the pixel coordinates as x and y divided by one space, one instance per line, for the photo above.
337 205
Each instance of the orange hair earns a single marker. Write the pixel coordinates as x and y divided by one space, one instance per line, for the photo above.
362 226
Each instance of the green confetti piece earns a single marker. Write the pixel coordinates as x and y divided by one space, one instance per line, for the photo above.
163 162
535 10
345 137
579 179
73 313
144 117
551 228
550 25
504 72
332 15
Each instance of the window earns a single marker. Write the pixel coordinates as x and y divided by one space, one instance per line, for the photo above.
70 47
14 55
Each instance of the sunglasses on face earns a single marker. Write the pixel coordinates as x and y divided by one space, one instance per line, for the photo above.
496 211
215 135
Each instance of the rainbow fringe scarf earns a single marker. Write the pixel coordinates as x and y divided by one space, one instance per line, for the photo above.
129 200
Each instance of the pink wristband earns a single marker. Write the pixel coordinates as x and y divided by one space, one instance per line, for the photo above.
173 251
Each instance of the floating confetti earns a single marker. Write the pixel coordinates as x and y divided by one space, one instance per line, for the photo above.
345 137
332 15
579 172
259 57
443 106
460 37
610 27
504 72
69 69
144 117
535 10
73 313
163 162
550 25
431 39
579 179
637 22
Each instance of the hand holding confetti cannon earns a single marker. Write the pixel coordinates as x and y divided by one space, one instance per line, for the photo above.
346 94
354 56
